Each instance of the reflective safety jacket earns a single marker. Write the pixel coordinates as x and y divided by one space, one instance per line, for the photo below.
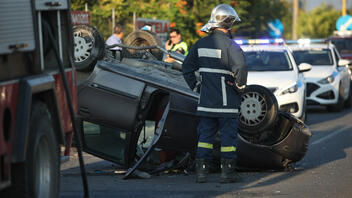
181 47
216 57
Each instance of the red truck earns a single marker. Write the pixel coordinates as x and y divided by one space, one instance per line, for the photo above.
35 112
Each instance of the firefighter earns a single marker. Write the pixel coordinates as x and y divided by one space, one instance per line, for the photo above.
223 77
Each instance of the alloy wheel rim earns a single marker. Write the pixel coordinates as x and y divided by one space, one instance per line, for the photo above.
253 109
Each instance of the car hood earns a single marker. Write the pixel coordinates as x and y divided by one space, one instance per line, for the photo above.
318 72
272 79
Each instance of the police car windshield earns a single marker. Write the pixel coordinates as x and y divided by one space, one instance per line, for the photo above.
267 61
343 45
317 57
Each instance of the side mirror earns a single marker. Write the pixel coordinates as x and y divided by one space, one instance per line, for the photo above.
304 67
344 62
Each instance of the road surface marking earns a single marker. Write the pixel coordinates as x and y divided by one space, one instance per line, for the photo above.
330 135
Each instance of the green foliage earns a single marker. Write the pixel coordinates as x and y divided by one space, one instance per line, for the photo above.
257 14
186 15
319 23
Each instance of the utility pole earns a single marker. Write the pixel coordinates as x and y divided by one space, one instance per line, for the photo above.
343 7
294 19
113 20
134 21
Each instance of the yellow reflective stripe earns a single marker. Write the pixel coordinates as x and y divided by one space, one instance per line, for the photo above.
205 145
228 149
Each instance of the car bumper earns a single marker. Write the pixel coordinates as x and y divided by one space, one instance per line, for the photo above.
322 94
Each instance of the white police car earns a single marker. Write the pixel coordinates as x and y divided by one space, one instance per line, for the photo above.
328 82
273 66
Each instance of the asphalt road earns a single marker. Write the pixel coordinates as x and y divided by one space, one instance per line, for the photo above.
325 171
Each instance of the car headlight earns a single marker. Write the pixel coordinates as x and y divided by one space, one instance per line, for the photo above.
292 89
329 79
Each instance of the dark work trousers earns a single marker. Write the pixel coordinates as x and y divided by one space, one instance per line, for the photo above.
207 129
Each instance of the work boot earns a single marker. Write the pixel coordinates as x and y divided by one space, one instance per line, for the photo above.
202 169
228 172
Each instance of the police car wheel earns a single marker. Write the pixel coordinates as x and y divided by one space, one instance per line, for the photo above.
258 109
89 47
348 102
140 39
339 105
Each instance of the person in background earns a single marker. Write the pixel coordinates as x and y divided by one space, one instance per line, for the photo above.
115 38
223 71
175 44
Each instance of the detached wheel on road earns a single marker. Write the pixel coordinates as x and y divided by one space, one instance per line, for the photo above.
258 109
141 39
89 47
38 176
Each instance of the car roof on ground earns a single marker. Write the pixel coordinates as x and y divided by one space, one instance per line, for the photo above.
268 47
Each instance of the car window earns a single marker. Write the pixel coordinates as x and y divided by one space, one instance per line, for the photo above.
267 61
343 45
313 56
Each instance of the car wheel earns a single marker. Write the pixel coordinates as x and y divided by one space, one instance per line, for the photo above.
89 47
339 105
348 102
38 176
258 109
303 117
140 39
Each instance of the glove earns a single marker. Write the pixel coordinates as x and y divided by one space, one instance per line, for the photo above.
238 88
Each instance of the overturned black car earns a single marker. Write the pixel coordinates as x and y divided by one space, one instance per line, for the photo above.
137 111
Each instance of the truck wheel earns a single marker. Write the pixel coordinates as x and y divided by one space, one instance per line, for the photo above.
140 39
38 176
258 109
89 47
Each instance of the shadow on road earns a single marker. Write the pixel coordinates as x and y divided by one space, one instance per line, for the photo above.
106 179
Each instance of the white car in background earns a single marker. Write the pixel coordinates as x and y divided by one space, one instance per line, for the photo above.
273 67
328 82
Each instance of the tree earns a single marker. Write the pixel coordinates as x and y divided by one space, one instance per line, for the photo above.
319 23
186 15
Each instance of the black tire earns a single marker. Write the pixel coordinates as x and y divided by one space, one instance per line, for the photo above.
258 109
39 175
140 39
274 134
339 105
89 47
348 102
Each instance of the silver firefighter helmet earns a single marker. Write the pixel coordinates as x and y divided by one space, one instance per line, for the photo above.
222 16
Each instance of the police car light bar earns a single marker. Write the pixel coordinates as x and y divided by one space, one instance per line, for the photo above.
259 41
306 41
